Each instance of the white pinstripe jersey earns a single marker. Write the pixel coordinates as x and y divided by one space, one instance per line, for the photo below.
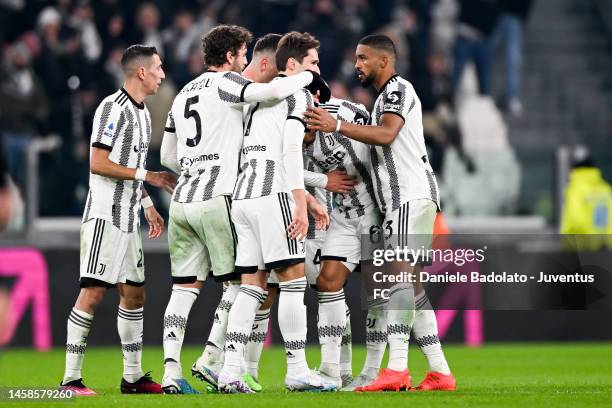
401 171
122 126
324 197
334 151
262 171
206 117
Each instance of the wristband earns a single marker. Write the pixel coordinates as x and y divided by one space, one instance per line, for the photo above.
146 202
338 123
140 175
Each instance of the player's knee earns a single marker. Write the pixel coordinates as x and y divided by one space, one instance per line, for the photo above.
133 300
90 298
327 284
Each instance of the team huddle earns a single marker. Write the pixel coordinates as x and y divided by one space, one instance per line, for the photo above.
278 181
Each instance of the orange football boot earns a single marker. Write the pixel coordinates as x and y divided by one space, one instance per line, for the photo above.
388 380
438 382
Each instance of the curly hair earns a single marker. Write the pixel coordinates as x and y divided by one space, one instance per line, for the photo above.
294 45
221 39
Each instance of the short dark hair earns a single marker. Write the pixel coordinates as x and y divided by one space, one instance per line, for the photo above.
136 51
221 39
379 42
294 45
267 42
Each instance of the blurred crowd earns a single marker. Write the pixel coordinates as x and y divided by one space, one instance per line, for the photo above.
60 58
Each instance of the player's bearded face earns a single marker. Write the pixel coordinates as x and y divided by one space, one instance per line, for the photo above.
240 61
364 63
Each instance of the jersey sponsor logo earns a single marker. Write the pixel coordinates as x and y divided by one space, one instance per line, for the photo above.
334 159
187 162
253 148
141 147
394 97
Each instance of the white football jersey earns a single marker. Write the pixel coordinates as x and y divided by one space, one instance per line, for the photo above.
334 151
262 171
206 116
122 126
402 171
323 196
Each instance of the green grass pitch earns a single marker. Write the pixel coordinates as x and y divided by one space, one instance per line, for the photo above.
535 375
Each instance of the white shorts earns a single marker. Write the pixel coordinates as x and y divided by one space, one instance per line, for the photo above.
410 226
343 238
109 255
261 225
312 268
202 240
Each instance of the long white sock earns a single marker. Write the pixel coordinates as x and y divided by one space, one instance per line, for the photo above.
425 332
239 326
376 337
292 323
256 341
346 347
175 324
212 356
331 325
400 317
78 326
129 325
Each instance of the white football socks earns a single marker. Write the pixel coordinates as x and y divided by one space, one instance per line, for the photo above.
331 326
425 332
292 323
239 326
175 324
130 326
212 356
346 346
256 342
400 317
376 338
78 326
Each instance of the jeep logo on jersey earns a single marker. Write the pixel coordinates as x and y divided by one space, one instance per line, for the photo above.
335 158
394 97
142 147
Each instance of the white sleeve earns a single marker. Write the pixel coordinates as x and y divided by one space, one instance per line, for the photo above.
314 179
276 90
293 136
168 147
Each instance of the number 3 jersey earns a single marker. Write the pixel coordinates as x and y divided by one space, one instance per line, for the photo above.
206 117
401 171
123 127
262 171
334 151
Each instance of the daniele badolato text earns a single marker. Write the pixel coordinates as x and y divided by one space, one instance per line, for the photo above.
478 277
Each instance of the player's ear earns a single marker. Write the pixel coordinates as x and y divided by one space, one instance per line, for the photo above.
291 63
141 73
384 61
229 57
